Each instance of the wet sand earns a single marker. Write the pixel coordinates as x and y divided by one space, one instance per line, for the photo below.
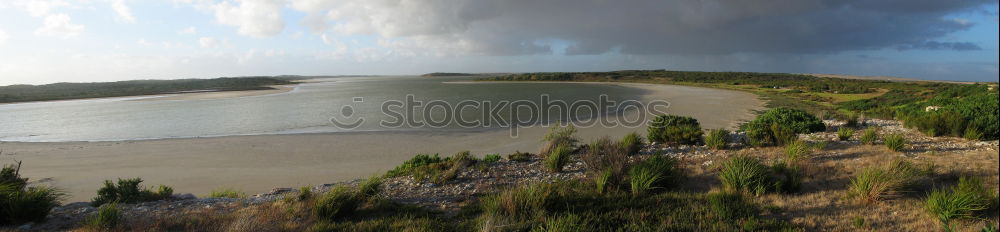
261 162
220 94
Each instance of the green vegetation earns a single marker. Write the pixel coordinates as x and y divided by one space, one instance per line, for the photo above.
492 158
656 173
129 191
227 193
873 184
422 167
558 158
844 133
632 143
969 199
731 206
797 150
717 139
414 166
559 136
746 174
603 155
673 129
447 74
780 126
337 203
954 108
519 156
895 142
869 136
19 203
63 91
542 207
108 218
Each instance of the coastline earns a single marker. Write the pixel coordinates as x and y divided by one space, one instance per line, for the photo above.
218 94
257 163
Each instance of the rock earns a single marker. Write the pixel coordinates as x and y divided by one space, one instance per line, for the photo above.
184 196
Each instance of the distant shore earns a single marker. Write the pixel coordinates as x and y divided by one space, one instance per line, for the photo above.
258 163
219 94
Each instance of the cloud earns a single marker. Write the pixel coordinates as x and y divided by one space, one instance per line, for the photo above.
40 8
935 45
3 37
188 31
122 12
208 42
257 18
59 25
646 27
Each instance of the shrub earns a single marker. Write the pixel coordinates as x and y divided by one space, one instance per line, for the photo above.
559 136
557 159
657 172
602 180
717 139
796 150
414 165
786 177
895 142
745 174
305 193
107 218
873 184
129 191
370 187
564 223
780 125
227 193
449 169
519 156
631 143
10 175
844 133
869 136
336 203
19 204
965 200
491 158
731 206
603 155
517 204
973 133
675 129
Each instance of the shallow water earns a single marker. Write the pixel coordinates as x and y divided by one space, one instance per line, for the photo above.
307 109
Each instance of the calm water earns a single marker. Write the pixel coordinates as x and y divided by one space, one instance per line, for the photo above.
307 109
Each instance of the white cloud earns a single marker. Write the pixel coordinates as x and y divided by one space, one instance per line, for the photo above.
188 31
122 12
257 18
59 25
208 42
3 37
40 8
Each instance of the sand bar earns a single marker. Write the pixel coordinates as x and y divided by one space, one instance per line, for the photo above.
261 162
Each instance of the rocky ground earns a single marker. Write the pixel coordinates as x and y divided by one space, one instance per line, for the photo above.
475 181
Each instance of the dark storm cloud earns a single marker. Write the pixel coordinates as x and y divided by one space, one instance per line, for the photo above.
652 27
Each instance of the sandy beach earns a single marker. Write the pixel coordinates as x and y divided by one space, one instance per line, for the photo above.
220 94
261 162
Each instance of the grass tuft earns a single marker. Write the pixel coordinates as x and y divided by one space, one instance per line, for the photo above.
336 203
631 143
895 142
107 218
869 136
965 200
557 158
745 174
717 139
845 133
227 193
874 184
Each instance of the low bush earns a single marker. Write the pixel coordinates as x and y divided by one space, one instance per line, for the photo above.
779 126
895 142
731 206
20 204
966 200
873 184
107 218
558 136
337 203
414 165
844 133
604 155
717 139
557 158
673 129
657 172
519 156
631 143
227 193
491 158
129 191
869 136
748 175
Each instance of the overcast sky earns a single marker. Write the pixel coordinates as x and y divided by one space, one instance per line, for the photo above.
45 41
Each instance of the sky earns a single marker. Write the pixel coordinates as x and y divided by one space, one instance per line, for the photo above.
47 41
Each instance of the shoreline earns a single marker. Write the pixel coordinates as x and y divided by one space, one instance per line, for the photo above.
258 163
